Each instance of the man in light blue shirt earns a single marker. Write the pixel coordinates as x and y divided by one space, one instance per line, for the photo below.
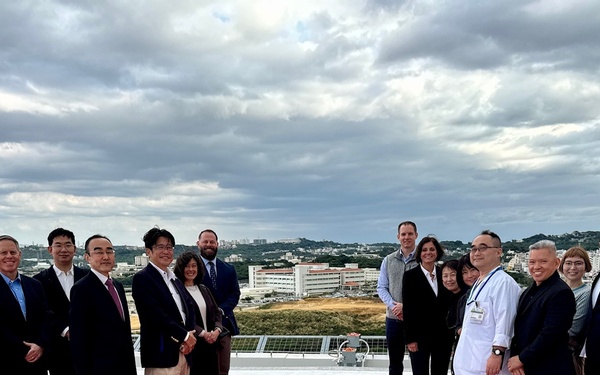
24 315
389 288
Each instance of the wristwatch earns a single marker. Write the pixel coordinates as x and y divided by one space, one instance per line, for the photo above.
498 352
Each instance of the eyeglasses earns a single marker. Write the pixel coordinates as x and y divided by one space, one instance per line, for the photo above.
163 247
577 264
482 248
59 246
102 253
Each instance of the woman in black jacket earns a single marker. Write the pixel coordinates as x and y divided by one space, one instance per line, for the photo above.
190 270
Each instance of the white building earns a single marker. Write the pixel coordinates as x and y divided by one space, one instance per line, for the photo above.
233 258
309 278
141 260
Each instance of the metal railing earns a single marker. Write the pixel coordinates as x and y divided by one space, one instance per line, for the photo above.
301 344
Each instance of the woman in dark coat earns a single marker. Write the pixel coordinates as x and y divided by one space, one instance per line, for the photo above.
426 304
190 270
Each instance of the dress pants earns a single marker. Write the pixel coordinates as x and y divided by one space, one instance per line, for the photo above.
394 334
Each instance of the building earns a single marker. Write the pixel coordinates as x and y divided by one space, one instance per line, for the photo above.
307 279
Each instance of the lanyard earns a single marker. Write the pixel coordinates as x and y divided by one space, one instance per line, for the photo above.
470 300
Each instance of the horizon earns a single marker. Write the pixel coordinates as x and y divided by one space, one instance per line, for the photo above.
80 243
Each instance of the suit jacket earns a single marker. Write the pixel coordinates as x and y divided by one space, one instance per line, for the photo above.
59 355
162 328
544 316
100 339
592 343
14 329
424 312
204 355
227 293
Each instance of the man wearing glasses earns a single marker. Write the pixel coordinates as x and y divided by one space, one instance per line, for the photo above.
165 309
490 312
57 282
100 330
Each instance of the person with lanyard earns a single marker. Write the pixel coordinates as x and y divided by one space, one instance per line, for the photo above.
389 288
490 312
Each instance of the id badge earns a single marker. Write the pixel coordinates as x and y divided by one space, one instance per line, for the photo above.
477 314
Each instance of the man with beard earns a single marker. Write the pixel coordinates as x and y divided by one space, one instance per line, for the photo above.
221 279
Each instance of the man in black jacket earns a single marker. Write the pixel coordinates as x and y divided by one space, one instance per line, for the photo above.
544 315
57 282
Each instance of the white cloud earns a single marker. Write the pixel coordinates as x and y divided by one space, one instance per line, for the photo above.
278 119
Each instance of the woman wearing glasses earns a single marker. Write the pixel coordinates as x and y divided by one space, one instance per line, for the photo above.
574 264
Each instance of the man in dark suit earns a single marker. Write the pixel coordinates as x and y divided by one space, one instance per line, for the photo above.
57 282
24 315
544 315
165 310
222 281
99 325
591 348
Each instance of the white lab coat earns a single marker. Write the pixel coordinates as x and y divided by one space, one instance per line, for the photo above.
498 295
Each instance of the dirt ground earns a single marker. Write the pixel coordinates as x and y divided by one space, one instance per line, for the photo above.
370 306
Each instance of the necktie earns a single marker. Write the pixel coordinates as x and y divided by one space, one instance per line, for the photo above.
115 297
213 274
432 275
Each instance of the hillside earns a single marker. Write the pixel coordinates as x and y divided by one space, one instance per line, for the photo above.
315 316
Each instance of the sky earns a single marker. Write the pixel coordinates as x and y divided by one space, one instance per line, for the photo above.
328 120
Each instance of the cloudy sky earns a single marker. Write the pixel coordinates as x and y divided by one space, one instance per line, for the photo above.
320 119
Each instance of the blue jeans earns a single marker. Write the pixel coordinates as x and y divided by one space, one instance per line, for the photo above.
394 334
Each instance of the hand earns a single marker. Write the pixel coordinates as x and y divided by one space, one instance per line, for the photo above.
185 349
397 310
212 336
413 347
191 340
515 366
35 352
493 365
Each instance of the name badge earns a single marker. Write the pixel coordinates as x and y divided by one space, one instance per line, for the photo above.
477 314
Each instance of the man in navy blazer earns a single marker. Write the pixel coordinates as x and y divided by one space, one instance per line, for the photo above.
165 309
545 313
24 315
57 282
222 281
100 330
592 344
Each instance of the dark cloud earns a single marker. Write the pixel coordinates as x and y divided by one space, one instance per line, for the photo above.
326 121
